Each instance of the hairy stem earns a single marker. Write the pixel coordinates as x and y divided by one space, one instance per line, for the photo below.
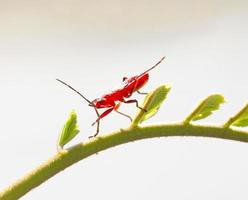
78 152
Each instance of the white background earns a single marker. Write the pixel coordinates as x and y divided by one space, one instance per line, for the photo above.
92 45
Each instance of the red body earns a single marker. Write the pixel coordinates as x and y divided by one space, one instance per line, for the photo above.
113 100
132 85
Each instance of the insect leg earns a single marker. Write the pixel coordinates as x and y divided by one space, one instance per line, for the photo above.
116 110
137 104
98 123
145 93
124 115
106 112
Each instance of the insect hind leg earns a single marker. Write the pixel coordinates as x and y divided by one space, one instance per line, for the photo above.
136 103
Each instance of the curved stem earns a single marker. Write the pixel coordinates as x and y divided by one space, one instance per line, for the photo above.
78 152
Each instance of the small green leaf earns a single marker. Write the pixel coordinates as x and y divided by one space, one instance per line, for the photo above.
241 123
69 131
241 119
151 104
206 108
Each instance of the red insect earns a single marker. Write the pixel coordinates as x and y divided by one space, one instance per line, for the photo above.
113 100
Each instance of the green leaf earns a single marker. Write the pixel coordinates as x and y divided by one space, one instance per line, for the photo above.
69 131
241 119
151 104
206 108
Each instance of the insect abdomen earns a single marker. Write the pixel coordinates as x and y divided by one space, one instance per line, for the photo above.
141 81
135 85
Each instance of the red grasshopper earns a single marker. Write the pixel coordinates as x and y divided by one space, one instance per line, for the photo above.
113 100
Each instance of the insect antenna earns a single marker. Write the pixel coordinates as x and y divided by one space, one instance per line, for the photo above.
154 65
90 103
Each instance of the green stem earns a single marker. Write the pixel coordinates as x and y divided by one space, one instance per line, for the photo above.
78 152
